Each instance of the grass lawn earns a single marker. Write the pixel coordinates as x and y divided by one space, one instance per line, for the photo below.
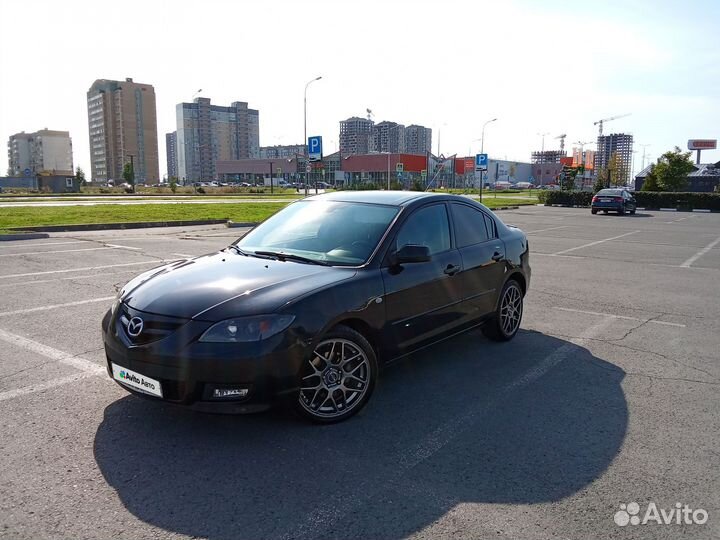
117 213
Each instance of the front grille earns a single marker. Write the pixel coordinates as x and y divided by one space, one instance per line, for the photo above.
154 327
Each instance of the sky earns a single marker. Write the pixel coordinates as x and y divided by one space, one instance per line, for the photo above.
537 66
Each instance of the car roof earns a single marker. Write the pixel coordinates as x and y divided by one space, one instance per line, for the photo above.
394 198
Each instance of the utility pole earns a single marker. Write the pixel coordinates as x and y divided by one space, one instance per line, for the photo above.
305 141
271 177
132 171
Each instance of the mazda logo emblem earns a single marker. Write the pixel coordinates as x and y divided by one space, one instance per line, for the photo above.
135 326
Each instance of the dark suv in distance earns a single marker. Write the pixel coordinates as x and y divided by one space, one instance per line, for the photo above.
307 306
613 200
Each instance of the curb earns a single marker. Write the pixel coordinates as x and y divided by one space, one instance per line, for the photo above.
109 226
234 224
23 236
506 208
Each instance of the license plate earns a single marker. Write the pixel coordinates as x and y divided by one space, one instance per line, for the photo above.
604 200
136 380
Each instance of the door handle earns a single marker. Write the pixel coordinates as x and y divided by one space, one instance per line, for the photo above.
451 269
497 256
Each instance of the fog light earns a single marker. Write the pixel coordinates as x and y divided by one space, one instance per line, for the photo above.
230 392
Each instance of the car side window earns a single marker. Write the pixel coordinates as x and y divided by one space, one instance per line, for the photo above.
490 224
426 227
470 226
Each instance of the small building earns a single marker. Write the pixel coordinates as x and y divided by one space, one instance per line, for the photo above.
42 182
705 178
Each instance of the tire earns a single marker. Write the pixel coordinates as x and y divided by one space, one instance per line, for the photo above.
605 211
593 211
338 379
621 212
632 212
500 327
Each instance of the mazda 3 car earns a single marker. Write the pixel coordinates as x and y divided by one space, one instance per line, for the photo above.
307 307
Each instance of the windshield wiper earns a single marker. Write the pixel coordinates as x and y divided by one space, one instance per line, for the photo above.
237 249
289 257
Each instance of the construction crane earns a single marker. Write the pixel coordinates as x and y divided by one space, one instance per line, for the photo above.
600 122
562 142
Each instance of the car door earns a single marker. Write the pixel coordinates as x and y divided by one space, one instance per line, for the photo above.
483 256
423 300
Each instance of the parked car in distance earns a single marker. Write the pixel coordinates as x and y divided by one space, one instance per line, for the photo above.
524 185
613 200
308 306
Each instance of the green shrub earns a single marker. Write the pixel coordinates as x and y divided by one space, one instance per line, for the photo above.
565 198
667 199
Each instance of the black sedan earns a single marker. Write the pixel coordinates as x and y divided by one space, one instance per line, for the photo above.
613 200
307 306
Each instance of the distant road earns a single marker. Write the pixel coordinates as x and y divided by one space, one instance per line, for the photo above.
30 202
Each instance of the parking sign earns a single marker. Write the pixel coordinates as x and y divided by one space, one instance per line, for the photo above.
315 148
481 162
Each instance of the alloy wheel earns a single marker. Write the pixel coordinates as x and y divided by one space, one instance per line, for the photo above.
336 378
511 310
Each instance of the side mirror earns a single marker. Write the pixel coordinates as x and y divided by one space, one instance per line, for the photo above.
410 253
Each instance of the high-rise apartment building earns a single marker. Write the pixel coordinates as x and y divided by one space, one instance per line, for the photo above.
583 157
42 151
387 137
171 151
418 139
355 135
209 133
619 145
123 129
547 156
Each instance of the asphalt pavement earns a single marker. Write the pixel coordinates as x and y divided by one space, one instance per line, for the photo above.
607 396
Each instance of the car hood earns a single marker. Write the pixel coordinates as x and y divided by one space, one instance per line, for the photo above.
225 285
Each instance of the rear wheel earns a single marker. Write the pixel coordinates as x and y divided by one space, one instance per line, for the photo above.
593 211
505 323
632 212
339 377
621 212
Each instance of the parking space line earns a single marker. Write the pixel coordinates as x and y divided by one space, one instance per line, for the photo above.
595 243
62 357
46 244
118 246
56 251
10 394
548 229
700 253
619 316
82 269
86 276
55 306
183 255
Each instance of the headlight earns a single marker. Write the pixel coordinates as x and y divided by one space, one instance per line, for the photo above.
244 329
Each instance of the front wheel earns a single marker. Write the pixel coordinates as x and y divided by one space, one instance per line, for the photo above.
338 378
505 323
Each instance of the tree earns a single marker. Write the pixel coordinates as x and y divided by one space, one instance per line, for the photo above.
651 181
672 169
599 182
128 173
80 175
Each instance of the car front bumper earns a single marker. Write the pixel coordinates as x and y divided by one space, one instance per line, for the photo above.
189 371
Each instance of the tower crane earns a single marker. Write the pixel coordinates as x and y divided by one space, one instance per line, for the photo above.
600 122
562 141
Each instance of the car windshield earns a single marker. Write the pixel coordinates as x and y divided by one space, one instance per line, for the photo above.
610 192
332 232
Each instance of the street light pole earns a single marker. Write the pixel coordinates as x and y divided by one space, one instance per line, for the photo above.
307 157
482 151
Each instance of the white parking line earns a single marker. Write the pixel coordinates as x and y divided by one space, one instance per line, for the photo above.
58 251
45 244
62 357
82 269
55 306
700 253
118 246
548 229
86 276
620 317
10 394
185 255
595 243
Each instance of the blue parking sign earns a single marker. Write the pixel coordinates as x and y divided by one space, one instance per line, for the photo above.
481 162
315 148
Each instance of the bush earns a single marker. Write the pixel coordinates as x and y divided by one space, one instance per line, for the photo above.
667 199
565 198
